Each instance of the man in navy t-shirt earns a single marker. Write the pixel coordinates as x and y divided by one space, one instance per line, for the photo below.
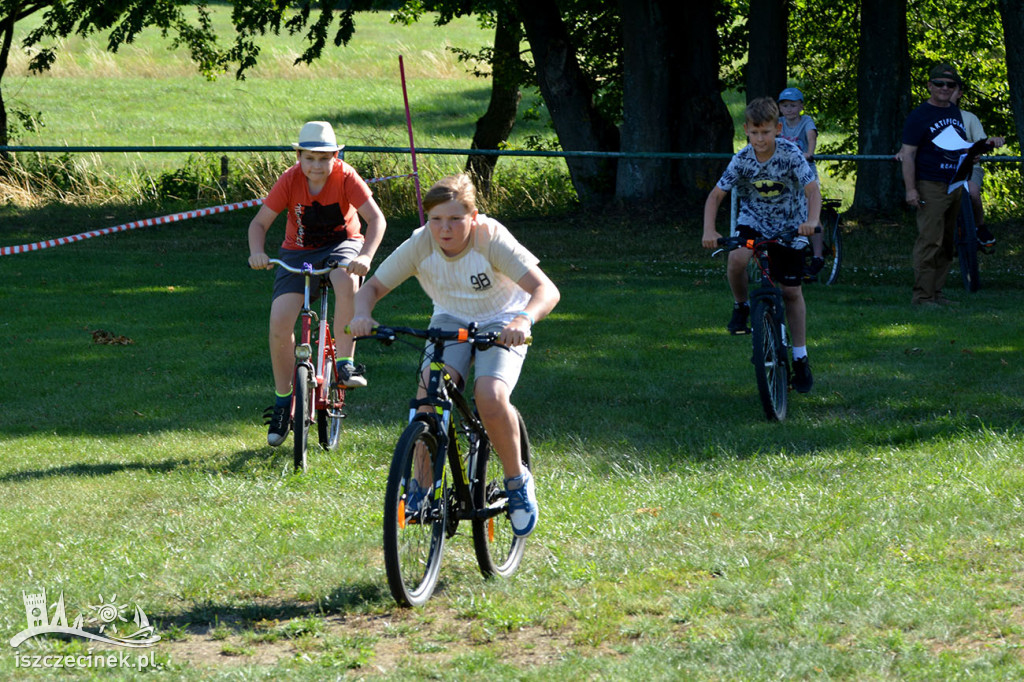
927 171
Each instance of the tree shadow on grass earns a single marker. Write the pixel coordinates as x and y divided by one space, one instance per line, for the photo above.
242 616
94 469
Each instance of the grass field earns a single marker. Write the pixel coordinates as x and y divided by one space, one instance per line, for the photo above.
876 534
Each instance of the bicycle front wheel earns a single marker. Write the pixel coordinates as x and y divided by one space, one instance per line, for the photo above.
328 418
302 390
413 539
498 549
770 362
832 238
967 245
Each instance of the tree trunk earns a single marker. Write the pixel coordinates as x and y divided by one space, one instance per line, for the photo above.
570 101
883 91
767 22
6 38
494 127
1012 12
646 101
701 121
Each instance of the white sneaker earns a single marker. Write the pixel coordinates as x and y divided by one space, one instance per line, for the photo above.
522 504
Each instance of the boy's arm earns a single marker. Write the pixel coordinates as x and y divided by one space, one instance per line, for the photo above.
813 193
375 227
366 298
812 143
711 236
544 296
258 259
908 157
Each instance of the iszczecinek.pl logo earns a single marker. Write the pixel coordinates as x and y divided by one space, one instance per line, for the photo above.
105 616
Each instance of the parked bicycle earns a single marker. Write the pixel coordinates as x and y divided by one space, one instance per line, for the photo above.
445 450
832 238
967 244
318 395
772 367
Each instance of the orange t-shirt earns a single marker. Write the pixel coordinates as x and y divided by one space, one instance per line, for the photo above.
327 217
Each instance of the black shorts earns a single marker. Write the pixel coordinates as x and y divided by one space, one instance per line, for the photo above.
787 263
289 283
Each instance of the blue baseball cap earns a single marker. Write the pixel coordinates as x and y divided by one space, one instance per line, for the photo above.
791 94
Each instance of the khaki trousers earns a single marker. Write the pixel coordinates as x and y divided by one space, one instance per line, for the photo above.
936 235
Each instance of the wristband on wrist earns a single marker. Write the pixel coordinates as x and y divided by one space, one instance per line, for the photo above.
527 316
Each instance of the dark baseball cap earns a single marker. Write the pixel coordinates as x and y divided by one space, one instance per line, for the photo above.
944 71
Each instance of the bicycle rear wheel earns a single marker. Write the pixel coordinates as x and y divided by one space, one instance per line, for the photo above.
832 237
967 245
328 418
498 550
302 390
770 362
413 543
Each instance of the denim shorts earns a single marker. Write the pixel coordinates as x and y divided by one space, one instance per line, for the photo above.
289 283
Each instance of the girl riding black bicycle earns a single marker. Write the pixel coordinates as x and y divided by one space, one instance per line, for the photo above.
474 270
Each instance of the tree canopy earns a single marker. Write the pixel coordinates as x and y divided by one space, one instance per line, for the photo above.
637 76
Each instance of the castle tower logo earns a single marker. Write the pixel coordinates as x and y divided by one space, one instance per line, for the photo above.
105 616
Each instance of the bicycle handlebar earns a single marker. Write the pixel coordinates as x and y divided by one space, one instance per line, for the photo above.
785 237
481 340
307 268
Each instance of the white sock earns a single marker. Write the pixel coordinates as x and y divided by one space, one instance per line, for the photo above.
799 352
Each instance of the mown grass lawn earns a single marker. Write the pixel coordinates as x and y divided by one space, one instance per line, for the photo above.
874 534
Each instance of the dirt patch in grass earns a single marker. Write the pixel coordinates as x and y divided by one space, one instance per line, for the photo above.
374 644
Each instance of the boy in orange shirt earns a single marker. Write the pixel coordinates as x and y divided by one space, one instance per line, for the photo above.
324 197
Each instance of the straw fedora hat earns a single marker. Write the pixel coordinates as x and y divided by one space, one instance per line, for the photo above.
317 136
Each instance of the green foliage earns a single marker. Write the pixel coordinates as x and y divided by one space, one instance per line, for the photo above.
823 63
197 179
188 22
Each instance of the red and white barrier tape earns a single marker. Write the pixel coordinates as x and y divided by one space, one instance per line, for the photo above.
149 222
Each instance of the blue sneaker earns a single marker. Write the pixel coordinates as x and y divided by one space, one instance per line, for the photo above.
522 504
415 499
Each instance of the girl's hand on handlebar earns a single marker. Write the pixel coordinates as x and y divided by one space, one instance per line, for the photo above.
808 229
515 332
362 326
260 261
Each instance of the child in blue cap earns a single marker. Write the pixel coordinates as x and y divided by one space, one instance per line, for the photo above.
799 128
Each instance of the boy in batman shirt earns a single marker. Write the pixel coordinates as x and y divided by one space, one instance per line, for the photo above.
776 189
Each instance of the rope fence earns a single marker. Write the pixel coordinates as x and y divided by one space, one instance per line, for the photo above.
203 212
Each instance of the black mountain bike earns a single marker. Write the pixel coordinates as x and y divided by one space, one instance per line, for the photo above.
446 449
831 229
768 326
967 244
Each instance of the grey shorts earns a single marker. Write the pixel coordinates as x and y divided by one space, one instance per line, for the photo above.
494 362
289 283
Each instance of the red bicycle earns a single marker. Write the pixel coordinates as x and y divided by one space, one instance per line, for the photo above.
318 395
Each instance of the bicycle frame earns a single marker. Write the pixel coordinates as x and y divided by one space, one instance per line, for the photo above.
325 397
414 540
442 396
